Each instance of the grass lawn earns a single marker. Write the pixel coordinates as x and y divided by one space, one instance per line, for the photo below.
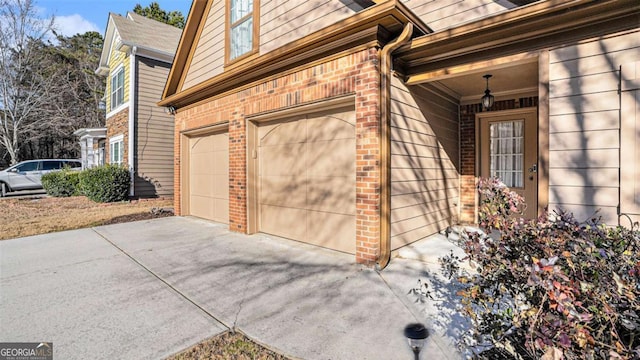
25 217
228 346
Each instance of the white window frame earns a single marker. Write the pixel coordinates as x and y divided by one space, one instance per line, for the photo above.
114 91
119 142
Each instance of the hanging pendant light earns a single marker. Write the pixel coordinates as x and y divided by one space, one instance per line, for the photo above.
487 99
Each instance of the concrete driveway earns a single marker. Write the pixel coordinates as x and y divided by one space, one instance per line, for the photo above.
149 289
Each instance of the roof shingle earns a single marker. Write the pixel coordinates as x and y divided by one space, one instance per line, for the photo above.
140 31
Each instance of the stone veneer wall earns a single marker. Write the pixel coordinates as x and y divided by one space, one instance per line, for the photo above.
116 125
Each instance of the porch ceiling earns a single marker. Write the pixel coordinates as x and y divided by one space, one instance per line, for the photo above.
506 80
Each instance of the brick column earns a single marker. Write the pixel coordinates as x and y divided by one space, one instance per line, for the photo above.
177 155
238 170
368 159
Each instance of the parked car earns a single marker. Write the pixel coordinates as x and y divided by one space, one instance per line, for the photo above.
26 175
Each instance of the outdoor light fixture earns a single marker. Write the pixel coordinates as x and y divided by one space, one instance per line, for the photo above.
417 334
170 110
487 99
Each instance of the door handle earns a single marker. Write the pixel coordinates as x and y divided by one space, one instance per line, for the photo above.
533 168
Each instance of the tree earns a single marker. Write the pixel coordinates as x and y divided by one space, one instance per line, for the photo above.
75 96
153 11
23 92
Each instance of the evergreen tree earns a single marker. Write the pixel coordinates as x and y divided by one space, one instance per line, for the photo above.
153 11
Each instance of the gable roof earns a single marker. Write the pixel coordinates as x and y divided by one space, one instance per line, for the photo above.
124 33
388 15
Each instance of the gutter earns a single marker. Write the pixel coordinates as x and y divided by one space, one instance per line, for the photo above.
386 63
132 116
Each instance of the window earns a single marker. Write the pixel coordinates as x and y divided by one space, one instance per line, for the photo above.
116 150
241 27
507 150
30 166
117 88
51 165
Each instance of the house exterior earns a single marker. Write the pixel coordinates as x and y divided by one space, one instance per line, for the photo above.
92 146
136 58
359 126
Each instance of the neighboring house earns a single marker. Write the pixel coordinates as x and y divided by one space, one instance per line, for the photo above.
92 145
358 125
136 58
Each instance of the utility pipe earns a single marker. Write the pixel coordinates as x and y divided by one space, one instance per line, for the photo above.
385 143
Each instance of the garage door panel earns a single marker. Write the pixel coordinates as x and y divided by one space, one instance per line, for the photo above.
220 143
201 206
209 177
282 160
200 145
201 185
219 186
330 127
292 132
332 194
202 163
283 221
306 177
220 162
284 191
339 161
220 210
331 230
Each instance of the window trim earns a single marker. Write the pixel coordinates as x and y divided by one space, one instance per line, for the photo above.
116 73
255 15
115 140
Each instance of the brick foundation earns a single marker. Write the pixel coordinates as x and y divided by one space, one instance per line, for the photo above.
354 74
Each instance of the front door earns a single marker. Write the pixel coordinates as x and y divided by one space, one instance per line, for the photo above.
509 151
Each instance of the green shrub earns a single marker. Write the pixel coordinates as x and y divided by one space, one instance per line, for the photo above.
107 183
62 183
552 287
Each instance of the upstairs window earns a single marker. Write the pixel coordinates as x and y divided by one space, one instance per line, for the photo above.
241 27
117 88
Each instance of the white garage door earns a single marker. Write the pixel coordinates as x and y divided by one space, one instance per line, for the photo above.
209 177
307 179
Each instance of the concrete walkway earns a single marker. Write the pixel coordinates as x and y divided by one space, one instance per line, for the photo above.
149 289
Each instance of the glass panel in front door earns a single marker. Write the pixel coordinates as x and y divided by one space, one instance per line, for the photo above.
506 157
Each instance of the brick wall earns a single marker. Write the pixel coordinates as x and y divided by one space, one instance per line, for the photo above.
116 125
468 177
353 74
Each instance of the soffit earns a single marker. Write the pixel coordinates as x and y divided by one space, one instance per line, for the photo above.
528 29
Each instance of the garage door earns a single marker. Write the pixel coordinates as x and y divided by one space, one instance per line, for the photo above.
307 179
209 177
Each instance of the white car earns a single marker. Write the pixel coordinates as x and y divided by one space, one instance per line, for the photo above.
26 175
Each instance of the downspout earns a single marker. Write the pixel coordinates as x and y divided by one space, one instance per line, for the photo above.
132 111
386 63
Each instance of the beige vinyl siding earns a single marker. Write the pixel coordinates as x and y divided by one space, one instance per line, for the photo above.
208 58
424 162
584 125
153 156
284 21
443 14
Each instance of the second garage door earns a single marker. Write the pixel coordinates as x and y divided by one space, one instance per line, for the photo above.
209 177
307 179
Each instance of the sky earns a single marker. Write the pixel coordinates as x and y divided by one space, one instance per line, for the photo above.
80 16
